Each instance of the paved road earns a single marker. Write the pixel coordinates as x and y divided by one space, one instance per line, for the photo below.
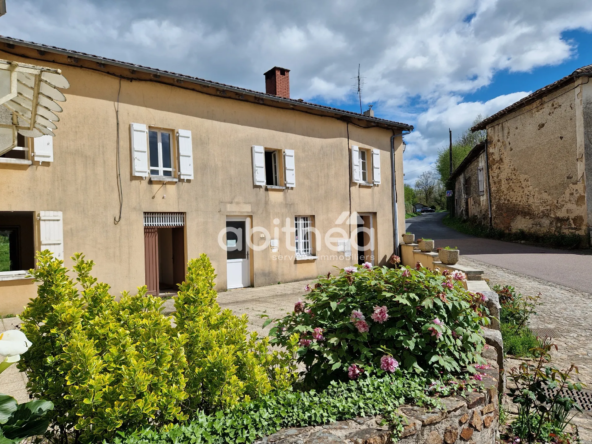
568 268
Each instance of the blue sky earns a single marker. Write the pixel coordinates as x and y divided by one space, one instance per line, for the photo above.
435 64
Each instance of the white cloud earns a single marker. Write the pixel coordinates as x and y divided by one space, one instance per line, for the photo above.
418 58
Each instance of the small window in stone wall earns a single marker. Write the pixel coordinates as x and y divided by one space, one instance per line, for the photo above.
468 186
481 181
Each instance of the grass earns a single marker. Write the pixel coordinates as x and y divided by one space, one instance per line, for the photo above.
410 215
518 342
4 253
555 240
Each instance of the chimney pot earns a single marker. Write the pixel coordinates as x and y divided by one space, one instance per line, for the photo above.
277 82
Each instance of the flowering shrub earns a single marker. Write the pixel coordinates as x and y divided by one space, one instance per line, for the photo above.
111 365
379 320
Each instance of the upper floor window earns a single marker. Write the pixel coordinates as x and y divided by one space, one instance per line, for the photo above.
272 167
365 164
161 153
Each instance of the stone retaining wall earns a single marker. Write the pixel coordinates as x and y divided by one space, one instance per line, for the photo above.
470 419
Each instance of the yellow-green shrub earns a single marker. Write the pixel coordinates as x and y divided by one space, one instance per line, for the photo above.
112 365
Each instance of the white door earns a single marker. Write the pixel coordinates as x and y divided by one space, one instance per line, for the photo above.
237 253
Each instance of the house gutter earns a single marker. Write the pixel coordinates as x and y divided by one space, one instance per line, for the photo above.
394 191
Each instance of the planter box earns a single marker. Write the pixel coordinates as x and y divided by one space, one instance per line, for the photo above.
426 245
448 257
409 238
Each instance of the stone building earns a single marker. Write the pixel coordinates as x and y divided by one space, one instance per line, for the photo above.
471 190
150 168
539 155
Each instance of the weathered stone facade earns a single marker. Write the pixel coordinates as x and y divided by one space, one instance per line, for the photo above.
471 187
533 167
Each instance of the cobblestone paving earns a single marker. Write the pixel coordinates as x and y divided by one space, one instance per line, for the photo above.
567 312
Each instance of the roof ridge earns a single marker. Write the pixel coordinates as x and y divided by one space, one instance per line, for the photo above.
101 59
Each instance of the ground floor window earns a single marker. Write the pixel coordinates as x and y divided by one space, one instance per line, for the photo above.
303 239
17 243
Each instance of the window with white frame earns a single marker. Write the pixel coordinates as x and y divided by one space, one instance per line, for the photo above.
161 153
272 160
303 225
364 165
20 151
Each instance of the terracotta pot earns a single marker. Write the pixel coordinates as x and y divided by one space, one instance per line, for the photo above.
448 257
409 238
426 245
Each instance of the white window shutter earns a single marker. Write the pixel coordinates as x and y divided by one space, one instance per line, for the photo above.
376 166
51 230
139 140
43 147
356 168
185 154
259 165
289 168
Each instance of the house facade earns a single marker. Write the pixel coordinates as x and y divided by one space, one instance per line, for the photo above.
539 153
149 169
471 188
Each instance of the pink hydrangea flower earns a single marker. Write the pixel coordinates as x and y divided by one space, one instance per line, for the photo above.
446 272
459 276
478 377
356 315
353 372
418 266
438 322
307 288
318 334
380 314
305 342
482 297
388 364
350 269
482 366
367 265
435 332
448 285
406 273
362 326
299 307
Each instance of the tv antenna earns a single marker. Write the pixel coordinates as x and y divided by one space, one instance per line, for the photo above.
360 88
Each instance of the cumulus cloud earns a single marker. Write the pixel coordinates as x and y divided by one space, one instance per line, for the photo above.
419 59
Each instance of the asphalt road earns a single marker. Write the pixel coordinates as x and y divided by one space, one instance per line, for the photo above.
568 268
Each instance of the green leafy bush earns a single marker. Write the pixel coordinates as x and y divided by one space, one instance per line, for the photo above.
246 422
373 320
112 365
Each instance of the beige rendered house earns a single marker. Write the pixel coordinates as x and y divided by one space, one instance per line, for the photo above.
538 159
149 169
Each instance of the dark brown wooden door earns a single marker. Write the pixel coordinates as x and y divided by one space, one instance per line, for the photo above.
151 258
179 255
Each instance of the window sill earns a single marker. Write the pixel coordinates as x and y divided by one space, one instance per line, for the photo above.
163 179
275 187
15 161
366 184
306 258
14 275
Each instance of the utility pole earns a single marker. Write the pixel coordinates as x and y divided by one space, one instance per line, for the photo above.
2 7
450 134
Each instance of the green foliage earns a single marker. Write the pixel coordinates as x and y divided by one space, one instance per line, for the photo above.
474 228
19 421
246 422
4 252
433 324
450 248
519 340
542 415
112 365
228 365
410 196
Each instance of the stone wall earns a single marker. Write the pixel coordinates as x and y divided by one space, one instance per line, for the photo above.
471 201
472 419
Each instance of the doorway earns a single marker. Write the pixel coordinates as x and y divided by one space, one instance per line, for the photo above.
365 238
238 268
164 249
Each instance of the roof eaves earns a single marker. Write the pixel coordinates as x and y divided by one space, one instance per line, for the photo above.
208 83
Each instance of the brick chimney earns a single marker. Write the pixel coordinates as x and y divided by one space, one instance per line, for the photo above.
277 82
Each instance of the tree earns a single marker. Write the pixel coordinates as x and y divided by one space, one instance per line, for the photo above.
410 197
425 187
460 148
